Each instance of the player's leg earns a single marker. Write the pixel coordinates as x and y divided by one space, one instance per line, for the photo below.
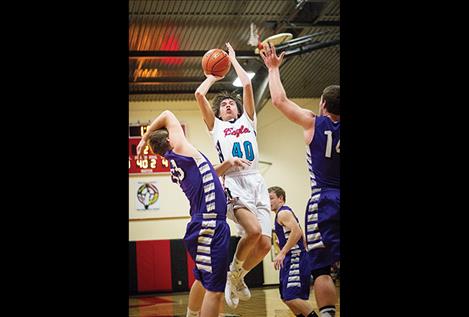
261 209
221 308
300 306
323 258
295 280
244 206
196 297
325 294
197 292
252 233
211 304
264 218
323 284
292 306
258 253
256 256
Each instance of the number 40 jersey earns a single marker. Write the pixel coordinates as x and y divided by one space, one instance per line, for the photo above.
237 138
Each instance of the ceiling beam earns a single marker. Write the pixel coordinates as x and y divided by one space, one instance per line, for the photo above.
323 24
170 92
163 54
308 48
175 81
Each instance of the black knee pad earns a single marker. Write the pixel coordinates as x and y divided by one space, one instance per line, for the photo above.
321 271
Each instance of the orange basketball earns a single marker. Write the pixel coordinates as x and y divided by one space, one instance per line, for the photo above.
216 62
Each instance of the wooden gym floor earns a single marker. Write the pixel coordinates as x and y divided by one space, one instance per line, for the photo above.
265 302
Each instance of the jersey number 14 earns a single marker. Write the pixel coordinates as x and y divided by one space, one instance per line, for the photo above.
328 133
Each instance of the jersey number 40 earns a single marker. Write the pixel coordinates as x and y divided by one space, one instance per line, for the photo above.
237 152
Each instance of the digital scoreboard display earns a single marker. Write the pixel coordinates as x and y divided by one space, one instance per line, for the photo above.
151 163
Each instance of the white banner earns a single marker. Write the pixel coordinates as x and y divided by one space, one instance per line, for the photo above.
152 197
147 196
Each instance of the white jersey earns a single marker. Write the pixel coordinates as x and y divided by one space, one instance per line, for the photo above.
237 139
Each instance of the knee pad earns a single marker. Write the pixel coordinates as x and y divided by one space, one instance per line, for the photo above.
321 271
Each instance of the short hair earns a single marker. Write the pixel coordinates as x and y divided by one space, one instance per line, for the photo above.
331 95
226 95
279 192
158 141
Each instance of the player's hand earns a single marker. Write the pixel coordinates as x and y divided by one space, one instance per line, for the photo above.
269 55
240 162
231 52
215 78
278 261
231 200
140 148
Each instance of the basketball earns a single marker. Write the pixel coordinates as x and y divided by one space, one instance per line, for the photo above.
216 62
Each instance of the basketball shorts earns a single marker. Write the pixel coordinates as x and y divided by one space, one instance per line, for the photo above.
295 277
208 243
250 192
322 228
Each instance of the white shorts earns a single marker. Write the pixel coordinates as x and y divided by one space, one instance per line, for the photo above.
250 192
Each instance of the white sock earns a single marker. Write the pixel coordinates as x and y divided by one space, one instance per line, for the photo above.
243 272
191 313
327 311
236 265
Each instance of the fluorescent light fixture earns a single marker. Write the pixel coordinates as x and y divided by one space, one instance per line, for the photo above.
237 82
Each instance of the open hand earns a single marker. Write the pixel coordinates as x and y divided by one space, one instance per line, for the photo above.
240 162
278 261
140 148
231 52
269 55
215 78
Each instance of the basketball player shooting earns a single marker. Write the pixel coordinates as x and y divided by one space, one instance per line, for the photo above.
232 126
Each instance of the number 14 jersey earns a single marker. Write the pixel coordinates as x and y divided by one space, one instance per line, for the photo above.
323 154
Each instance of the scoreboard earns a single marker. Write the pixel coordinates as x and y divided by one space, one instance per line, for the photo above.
151 163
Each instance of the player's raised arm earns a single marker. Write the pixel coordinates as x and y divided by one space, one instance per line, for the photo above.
204 104
169 121
296 114
248 94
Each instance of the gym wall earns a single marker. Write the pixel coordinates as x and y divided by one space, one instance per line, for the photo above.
283 163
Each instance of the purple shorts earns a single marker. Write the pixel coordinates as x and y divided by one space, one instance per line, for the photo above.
208 243
322 228
295 277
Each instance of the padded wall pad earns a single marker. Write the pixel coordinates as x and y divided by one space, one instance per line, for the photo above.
132 268
153 265
190 270
179 266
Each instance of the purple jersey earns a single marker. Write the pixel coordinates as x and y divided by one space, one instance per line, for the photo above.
322 216
283 232
207 237
199 181
294 277
323 154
